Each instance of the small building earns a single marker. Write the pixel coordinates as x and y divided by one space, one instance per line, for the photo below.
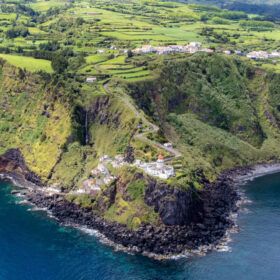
157 169
195 44
104 158
91 79
138 162
81 191
258 55
160 161
168 145
206 50
103 169
274 54
237 52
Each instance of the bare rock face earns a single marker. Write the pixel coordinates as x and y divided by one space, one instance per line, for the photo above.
175 206
13 162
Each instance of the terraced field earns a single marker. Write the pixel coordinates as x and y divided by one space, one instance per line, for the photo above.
103 32
29 63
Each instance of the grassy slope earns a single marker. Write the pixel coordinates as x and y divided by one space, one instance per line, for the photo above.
23 125
29 63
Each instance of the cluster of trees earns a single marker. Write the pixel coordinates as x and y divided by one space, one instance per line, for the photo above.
51 46
214 37
256 25
223 14
64 25
66 59
18 9
270 12
17 31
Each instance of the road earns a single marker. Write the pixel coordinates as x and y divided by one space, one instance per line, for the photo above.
151 127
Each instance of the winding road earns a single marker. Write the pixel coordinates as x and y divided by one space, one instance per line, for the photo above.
151 128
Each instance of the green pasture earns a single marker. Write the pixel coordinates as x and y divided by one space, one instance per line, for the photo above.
42 6
29 63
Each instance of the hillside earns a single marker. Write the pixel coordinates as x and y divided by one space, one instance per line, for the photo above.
268 9
225 99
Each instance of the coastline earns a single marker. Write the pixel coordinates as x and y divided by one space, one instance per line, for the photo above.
82 219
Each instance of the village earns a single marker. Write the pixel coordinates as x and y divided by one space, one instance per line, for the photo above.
101 176
191 48
194 47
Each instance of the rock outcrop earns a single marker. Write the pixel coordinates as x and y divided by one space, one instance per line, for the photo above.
13 162
175 206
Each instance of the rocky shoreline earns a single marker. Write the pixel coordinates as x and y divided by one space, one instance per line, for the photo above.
212 220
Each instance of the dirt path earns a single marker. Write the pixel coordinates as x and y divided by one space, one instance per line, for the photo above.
151 128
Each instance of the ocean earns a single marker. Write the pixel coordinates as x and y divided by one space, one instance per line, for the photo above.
34 246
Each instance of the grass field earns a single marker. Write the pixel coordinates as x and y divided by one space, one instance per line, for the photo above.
43 6
29 63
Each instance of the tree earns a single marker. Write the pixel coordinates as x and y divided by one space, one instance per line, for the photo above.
80 21
50 46
129 53
17 32
129 155
59 63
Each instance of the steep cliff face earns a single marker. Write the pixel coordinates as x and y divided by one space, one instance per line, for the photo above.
174 206
32 119
12 162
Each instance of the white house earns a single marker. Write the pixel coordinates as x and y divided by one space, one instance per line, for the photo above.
238 52
227 52
104 158
157 169
195 44
103 169
274 54
168 145
91 79
258 55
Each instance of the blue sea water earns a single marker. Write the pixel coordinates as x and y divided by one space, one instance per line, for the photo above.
33 246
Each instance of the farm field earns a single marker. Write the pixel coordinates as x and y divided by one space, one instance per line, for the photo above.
29 63
102 32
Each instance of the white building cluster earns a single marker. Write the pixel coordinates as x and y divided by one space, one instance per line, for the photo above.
158 169
263 55
100 176
193 47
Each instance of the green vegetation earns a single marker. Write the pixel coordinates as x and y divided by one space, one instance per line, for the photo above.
29 63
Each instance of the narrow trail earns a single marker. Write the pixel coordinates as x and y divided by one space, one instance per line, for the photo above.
151 128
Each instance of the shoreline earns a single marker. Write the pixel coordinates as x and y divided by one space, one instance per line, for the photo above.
238 176
258 170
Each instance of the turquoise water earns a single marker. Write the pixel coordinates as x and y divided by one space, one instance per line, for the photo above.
35 247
